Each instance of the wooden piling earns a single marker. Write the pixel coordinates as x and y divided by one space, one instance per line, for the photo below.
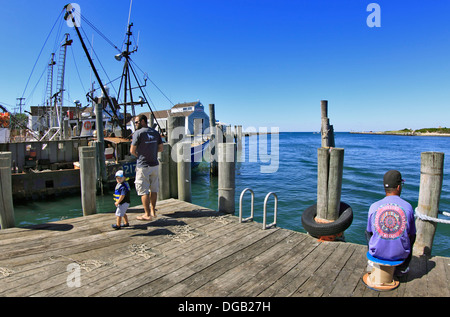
163 170
101 143
66 129
227 184
335 173
184 171
330 165
212 115
239 138
431 177
327 130
323 159
213 141
88 174
6 201
173 137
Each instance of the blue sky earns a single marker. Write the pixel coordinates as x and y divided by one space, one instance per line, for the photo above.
262 63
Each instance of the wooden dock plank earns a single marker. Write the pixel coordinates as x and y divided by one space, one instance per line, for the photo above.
193 251
187 281
159 250
349 276
275 267
226 275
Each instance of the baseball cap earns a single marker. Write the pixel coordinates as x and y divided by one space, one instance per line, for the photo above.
119 174
392 179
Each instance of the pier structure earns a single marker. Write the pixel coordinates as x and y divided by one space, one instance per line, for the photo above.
6 201
194 251
191 251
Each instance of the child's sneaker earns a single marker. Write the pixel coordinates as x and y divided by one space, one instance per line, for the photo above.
115 227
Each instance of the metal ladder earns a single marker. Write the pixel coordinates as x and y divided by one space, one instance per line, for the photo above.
265 226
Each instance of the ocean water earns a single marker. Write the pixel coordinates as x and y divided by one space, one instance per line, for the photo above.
286 164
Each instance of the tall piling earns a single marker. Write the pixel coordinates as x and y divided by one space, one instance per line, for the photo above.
330 166
163 170
213 141
239 138
335 173
175 134
327 130
88 175
431 177
6 199
100 143
227 183
323 162
184 171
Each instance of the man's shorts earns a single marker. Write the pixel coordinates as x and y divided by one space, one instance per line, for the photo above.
147 180
122 209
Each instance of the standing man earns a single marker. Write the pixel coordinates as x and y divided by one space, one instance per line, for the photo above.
145 146
391 229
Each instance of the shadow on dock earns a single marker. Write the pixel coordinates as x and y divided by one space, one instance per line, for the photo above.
51 227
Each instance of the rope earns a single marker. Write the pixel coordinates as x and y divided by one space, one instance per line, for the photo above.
5 272
428 218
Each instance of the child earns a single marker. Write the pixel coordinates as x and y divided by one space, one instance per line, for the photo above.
122 200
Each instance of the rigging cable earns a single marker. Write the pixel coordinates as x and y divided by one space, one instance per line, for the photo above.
140 87
153 83
98 59
34 66
76 67
101 34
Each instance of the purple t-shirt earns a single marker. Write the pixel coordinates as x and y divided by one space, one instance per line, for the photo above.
391 220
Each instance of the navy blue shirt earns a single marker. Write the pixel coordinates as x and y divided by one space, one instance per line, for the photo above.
146 141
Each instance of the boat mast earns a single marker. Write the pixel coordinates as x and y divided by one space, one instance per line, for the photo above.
126 77
69 14
60 83
49 93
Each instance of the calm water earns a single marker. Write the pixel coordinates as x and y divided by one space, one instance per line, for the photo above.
367 158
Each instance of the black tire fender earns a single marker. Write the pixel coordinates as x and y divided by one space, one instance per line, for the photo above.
316 229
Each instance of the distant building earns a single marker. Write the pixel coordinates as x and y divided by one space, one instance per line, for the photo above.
196 120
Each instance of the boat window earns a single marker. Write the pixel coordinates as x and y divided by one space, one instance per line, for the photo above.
61 146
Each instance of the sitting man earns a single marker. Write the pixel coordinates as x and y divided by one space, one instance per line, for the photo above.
391 229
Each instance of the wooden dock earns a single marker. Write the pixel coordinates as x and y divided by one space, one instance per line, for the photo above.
191 251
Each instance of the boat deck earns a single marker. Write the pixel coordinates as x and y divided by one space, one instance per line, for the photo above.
191 251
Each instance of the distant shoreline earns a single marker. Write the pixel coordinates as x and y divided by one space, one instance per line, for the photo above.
405 133
400 133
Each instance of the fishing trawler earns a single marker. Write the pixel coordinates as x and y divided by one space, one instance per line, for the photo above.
45 160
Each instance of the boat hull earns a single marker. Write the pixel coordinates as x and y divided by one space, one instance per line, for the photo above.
197 152
41 184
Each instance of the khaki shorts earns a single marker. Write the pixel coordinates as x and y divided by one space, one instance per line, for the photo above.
147 180
121 210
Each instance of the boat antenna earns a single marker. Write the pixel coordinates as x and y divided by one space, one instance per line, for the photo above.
129 13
